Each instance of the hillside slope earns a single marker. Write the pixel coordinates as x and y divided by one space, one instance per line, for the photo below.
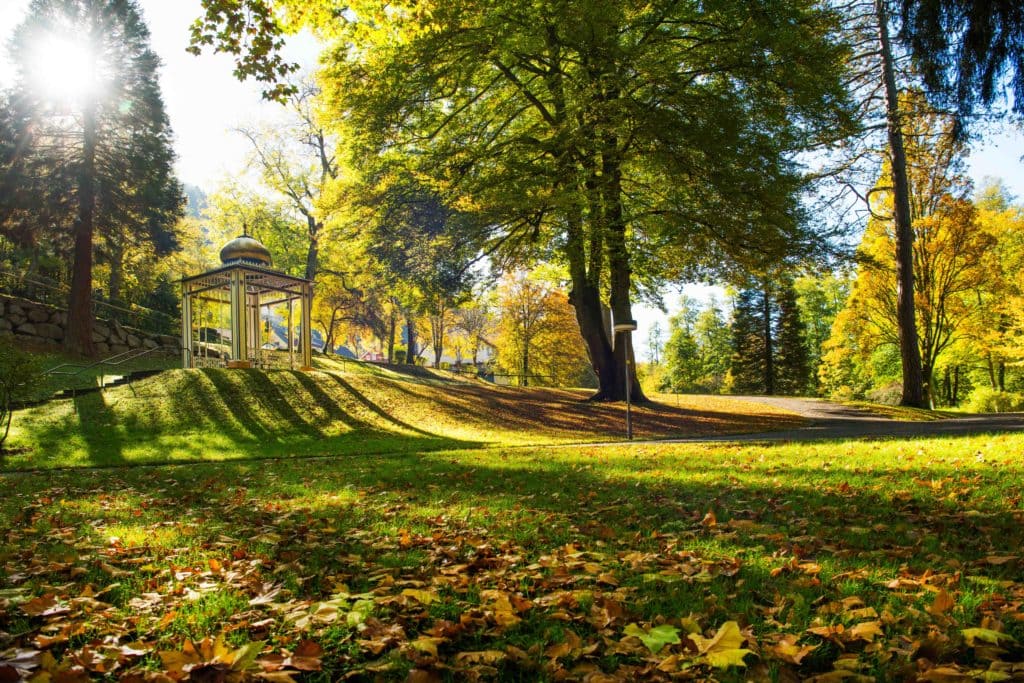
188 415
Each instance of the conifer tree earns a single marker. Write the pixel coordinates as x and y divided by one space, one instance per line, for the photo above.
108 145
751 366
792 361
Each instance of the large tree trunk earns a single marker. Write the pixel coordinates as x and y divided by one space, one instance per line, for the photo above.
78 335
913 378
619 273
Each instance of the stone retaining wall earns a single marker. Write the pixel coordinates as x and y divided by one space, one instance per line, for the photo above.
44 325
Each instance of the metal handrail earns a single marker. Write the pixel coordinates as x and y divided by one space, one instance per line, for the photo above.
117 359
134 310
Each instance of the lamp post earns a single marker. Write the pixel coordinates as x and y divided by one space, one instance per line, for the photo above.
627 327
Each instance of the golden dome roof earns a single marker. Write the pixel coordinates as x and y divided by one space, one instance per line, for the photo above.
245 249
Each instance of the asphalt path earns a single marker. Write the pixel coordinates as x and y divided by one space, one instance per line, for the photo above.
832 421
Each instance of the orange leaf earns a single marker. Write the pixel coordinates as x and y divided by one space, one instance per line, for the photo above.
943 603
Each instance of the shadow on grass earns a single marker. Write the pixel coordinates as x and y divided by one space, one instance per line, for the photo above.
216 415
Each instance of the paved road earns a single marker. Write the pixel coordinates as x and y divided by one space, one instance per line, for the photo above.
834 421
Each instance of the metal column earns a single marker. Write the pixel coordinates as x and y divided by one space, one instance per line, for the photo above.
186 327
307 335
238 316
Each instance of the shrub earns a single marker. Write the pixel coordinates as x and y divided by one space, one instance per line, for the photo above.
988 400
888 394
19 373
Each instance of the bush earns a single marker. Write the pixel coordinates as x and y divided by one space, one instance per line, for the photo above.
888 394
988 400
19 373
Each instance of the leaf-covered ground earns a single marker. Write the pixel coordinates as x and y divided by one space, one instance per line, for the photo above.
897 560
188 415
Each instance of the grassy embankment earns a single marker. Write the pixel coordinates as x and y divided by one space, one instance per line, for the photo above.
353 408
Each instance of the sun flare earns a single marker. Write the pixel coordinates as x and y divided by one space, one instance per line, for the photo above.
64 68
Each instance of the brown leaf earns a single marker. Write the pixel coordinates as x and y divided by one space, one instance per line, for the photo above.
943 603
423 676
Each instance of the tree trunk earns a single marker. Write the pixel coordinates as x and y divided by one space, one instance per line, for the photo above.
78 335
392 324
410 332
947 386
1002 375
524 379
913 377
437 337
620 275
956 386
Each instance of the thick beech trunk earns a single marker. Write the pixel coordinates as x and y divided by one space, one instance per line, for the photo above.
910 353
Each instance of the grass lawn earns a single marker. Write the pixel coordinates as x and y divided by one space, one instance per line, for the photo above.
193 415
444 560
883 560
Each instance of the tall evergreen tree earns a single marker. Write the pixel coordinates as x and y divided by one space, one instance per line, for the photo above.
751 366
967 50
792 362
107 139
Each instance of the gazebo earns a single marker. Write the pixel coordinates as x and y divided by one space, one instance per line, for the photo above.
243 287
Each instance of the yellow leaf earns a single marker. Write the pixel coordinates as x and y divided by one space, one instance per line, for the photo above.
421 596
865 631
723 659
427 645
788 651
481 657
728 637
973 635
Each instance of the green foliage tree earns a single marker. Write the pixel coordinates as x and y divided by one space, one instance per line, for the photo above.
111 159
584 126
820 298
19 371
682 354
714 340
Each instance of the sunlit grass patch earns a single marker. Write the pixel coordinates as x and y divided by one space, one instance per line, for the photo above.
823 555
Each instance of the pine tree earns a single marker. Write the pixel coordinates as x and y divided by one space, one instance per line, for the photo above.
792 363
112 142
751 367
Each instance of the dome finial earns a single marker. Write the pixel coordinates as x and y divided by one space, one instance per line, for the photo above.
245 249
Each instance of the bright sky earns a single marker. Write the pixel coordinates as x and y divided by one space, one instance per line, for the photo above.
204 101
205 104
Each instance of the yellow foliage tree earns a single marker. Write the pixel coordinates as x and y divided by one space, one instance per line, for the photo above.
538 338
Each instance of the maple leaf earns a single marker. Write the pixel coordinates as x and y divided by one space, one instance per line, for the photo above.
724 648
655 638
